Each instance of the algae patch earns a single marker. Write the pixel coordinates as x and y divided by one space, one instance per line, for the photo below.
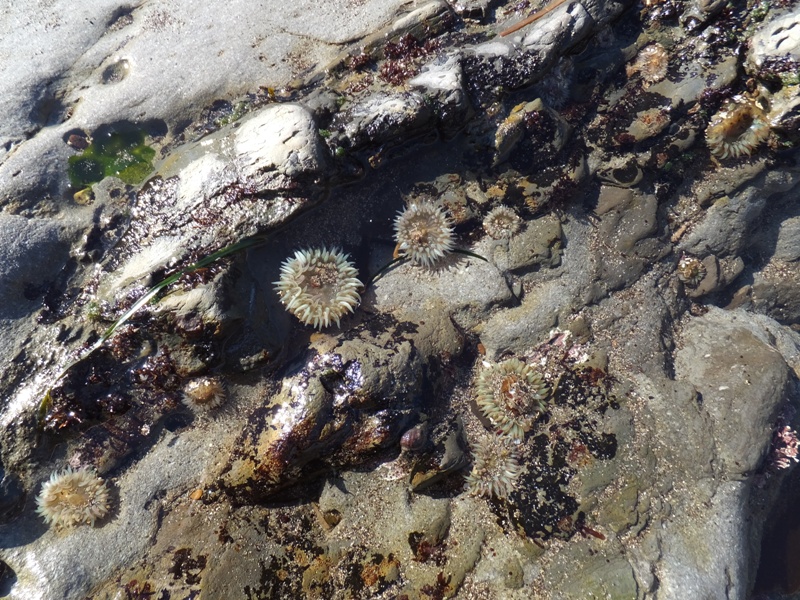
121 152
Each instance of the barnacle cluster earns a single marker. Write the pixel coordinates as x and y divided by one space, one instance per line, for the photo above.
319 286
511 395
73 497
691 270
554 88
737 129
501 222
424 233
651 63
495 468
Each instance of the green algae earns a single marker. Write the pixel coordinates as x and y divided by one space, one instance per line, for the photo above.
114 152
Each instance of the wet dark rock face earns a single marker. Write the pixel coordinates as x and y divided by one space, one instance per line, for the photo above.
650 279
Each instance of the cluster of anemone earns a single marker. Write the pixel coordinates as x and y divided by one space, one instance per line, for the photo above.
495 467
511 394
691 270
319 286
737 129
501 222
73 497
424 233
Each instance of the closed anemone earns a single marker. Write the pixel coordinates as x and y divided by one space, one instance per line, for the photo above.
424 233
511 395
737 129
691 270
319 286
71 498
495 467
204 394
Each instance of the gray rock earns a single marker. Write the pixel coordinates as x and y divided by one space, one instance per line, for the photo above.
32 252
723 228
743 401
383 118
442 81
777 38
279 141
172 75
341 407
213 193
787 246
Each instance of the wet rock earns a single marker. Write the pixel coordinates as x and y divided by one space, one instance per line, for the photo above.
723 228
538 245
787 245
784 114
775 291
740 433
33 252
542 122
382 119
741 430
214 193
429 18
442 81
341 407
444 457
775 45
474 9
461 289
521 58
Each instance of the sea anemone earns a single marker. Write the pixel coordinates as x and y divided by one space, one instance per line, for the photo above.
737 129
691 270
424 233
319 286
651 62
511 395
501 222
72 497
495 467
204 393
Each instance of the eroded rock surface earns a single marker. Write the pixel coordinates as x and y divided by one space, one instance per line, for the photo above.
650 279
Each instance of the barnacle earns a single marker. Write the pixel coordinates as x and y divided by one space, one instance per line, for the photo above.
424 233
495 467
73 497
319 286
501 222
737 129
511 395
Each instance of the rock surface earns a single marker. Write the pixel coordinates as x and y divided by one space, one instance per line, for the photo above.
351 462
